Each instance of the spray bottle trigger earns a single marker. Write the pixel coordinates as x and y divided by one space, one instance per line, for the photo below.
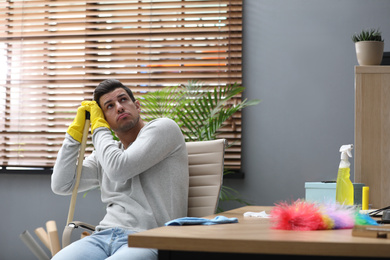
347 149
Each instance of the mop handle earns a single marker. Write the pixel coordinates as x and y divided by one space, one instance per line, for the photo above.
79 168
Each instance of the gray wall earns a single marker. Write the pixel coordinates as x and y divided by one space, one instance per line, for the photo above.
299 60
27 202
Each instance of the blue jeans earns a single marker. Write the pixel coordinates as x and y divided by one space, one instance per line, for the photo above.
106 244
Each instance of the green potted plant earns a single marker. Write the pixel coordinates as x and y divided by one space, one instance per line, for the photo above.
200 112
369 47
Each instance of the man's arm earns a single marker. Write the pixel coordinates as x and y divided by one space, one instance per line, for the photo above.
155 142
64 171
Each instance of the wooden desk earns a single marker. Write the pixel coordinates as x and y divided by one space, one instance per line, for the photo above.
253 236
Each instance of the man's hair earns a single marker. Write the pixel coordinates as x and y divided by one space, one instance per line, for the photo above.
108 86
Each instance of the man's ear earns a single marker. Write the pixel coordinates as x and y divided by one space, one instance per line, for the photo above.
137 105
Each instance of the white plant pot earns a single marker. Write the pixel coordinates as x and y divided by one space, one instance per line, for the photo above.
369 52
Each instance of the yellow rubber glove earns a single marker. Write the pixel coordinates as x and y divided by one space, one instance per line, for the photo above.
97 116
76 127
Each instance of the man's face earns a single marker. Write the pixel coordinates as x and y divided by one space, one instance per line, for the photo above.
121 113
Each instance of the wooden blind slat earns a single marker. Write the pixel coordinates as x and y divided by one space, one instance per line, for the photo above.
54 53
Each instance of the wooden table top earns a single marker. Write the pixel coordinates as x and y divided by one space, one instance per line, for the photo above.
254 235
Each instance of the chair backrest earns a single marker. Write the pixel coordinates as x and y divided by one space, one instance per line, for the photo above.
206 163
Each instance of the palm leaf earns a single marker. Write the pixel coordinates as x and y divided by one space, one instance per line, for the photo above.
163 103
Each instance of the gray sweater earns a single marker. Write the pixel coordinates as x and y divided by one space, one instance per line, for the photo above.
143 186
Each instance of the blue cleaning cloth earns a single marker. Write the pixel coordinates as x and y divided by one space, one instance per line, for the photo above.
201 221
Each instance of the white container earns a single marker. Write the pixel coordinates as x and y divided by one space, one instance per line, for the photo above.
326 192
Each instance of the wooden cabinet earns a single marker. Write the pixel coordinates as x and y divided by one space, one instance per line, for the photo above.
372 132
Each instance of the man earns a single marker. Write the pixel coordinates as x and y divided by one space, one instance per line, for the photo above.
143 178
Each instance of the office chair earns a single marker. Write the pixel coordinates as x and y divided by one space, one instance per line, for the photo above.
206 163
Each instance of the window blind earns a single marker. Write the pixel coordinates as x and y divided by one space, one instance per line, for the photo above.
53 53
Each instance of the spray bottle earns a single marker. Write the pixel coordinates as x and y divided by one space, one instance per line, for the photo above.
344 186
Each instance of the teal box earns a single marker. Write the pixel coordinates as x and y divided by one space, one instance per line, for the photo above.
326 192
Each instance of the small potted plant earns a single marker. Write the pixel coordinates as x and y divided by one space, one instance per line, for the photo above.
369 47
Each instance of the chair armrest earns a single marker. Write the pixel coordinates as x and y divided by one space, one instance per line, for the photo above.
66 235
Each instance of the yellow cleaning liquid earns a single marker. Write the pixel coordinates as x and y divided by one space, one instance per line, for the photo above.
344 187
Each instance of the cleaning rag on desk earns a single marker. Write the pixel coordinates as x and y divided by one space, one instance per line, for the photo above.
261 214
201 221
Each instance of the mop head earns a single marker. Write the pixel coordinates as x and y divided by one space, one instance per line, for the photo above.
303 215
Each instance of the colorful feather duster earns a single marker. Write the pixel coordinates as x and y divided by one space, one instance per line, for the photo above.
304 215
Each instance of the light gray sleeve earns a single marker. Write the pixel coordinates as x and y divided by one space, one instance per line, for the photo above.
64 171
155 142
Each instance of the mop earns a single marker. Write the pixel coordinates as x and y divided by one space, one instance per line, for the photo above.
50 237
65 236
79 168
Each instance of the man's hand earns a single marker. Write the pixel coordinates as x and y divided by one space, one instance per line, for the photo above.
97 116
76 127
